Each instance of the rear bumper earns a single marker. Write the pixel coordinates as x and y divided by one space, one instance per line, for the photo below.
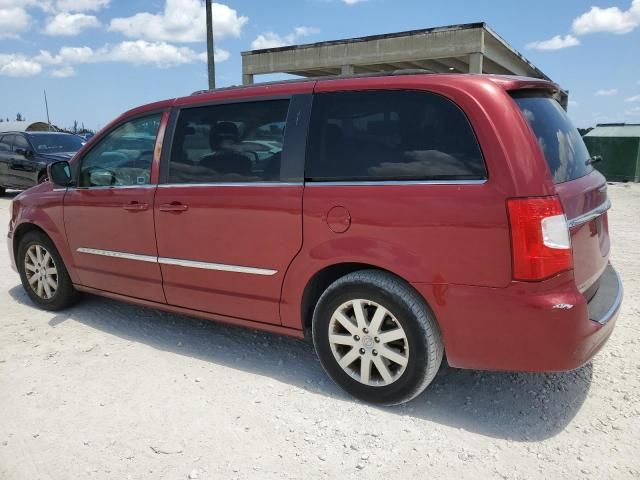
533 327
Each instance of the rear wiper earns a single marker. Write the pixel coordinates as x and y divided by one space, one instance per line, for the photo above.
594 159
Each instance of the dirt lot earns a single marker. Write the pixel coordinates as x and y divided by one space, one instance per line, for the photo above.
109 390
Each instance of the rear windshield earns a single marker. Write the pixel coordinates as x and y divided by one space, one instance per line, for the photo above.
55 142
562 145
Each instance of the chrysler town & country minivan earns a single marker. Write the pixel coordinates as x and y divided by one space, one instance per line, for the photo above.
391 219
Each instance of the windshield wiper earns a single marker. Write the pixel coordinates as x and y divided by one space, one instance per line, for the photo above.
594 159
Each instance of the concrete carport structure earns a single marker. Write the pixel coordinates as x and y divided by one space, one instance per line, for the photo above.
468 48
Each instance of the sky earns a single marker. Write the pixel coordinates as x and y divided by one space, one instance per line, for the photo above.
99 58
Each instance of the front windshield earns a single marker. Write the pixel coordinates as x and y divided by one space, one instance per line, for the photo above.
56 143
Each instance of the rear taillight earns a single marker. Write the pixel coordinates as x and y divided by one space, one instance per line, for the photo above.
540 241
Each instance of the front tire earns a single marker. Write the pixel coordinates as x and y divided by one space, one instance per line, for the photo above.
377 338
43 274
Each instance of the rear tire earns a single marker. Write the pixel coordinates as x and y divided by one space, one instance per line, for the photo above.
377 338
43 274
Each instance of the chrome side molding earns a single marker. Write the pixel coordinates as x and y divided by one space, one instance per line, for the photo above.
591 215
179 262
216 266
127 256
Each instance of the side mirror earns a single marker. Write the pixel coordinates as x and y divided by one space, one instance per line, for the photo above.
59 173
24 152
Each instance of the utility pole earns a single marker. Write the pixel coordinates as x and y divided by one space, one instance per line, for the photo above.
210 54
46 105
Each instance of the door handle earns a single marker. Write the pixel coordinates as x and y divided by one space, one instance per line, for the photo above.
175 207
135 206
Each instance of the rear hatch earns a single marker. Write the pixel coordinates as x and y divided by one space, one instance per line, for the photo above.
581 188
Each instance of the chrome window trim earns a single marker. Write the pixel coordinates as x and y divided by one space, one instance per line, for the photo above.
179 262
234 184
127 256
369 183
109 187
591 215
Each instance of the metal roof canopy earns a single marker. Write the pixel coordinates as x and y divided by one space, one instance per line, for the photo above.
467 48
620 130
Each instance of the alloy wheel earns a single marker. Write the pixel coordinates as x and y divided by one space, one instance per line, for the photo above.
41 271
368 342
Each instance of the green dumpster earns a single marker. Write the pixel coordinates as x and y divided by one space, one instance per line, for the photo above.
619 146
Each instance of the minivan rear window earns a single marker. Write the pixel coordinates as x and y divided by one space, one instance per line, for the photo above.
562 145
391 136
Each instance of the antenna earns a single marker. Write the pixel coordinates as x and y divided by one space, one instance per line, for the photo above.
46 105
210 52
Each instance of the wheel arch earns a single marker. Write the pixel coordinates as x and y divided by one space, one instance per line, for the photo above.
320 281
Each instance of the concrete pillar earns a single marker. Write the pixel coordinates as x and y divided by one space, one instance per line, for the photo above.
475 62
247 79
346 70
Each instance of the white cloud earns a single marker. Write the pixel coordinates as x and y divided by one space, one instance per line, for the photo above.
15 65
635 111
63 72
353 2
138 52
635 98
13 21
70 23
273 40
554 43
161 54
606 93
608 20
181 21
81 5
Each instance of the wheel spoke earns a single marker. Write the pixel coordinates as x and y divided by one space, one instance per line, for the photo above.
51 271
365 369
349 358
393 356
33 259
377 319
391 335
383 370
47 289
359 313
52 283
46 258
29 266
337 339
345 322
33 279
39 253
40 287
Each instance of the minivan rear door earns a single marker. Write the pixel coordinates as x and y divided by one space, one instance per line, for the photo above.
581 188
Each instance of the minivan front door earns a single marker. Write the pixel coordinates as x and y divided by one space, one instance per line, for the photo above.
109 216
229 207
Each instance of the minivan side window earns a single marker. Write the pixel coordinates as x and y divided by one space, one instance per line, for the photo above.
229 143
123 157
390 135
5 143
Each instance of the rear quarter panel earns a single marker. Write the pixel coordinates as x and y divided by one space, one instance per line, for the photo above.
427 233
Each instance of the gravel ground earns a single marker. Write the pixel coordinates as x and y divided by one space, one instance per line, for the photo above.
108 390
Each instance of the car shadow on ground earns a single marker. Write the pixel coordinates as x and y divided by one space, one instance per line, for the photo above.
515 406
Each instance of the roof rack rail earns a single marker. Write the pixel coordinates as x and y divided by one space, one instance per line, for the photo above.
412 71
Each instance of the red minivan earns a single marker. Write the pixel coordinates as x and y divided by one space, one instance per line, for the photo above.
391 219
